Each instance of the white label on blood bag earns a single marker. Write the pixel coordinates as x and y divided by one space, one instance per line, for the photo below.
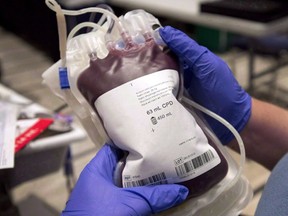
164 142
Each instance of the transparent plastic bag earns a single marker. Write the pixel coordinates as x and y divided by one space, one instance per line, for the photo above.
127 89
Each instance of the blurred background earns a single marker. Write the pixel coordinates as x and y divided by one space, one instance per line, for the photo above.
251 38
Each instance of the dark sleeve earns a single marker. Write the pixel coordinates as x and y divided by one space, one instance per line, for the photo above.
274 200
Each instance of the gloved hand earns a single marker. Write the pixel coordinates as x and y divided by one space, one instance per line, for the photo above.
210 83
95 193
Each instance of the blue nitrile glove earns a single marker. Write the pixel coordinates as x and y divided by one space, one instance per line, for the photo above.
274 199
210 83
95 193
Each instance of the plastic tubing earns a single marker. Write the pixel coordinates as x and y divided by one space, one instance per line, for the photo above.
103 18
184 100
189 102
51 4
83 25
60 14
62 29
224 122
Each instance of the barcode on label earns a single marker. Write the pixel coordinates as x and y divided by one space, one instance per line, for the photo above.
152 180
195 163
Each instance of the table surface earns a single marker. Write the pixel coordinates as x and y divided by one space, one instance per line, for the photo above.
76 134
189 11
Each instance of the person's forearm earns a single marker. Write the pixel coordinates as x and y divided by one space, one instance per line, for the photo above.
266 134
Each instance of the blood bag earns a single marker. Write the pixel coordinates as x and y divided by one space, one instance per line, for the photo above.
127 89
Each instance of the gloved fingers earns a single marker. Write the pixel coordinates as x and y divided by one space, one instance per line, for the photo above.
198 63
182 45
161 197
196 60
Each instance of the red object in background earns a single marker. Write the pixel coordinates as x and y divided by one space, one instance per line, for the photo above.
32 132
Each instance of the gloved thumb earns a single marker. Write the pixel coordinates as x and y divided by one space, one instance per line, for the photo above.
181 44
107 157
161 197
